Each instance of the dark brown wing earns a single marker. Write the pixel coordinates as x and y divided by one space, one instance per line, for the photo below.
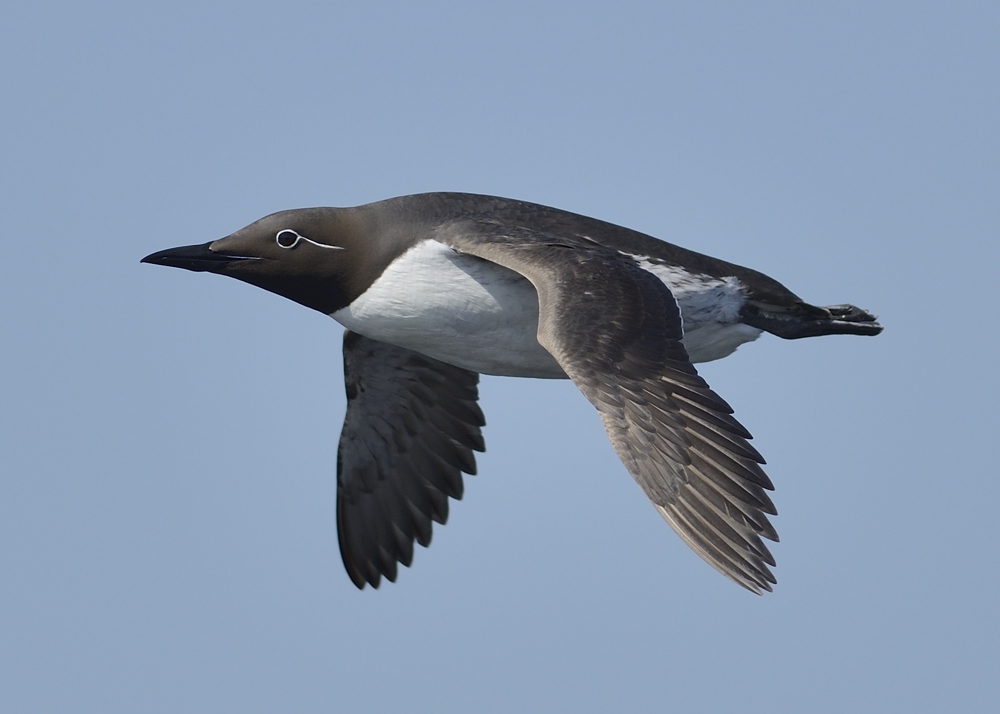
616 330
411 427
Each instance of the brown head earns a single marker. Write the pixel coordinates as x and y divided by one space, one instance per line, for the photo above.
322 258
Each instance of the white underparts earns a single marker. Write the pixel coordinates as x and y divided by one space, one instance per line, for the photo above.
456 308
710 310
483 317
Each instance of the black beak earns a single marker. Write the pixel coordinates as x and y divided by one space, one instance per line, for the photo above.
199 258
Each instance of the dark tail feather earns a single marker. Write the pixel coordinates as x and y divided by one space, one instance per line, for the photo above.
804 320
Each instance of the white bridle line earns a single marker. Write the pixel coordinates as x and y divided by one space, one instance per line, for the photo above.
321 245
299 237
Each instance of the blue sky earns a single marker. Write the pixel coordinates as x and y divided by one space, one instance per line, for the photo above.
168 440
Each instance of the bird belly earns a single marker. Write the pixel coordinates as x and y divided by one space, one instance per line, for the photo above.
455 308
483 317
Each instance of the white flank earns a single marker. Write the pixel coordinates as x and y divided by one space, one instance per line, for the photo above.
456 308
478 315
710 310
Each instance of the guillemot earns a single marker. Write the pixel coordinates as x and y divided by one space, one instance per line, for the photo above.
435 289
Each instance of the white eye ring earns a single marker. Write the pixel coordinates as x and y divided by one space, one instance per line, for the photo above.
282 238
285 235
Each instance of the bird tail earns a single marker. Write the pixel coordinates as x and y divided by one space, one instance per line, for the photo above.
803 320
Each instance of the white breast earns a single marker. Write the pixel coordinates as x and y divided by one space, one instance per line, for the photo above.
456 308
480 316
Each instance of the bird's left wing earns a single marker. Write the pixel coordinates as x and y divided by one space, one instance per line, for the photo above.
616 330
411 427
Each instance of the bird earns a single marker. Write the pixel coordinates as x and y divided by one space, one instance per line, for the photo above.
435 289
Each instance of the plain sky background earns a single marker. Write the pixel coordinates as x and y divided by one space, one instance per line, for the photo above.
168 439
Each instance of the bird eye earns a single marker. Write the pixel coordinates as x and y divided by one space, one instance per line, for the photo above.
287 238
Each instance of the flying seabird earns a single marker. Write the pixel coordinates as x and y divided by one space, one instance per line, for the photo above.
437 288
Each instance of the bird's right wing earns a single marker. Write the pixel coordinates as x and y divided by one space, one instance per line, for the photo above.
411 427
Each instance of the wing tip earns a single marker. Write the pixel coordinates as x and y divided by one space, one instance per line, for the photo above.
753 576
